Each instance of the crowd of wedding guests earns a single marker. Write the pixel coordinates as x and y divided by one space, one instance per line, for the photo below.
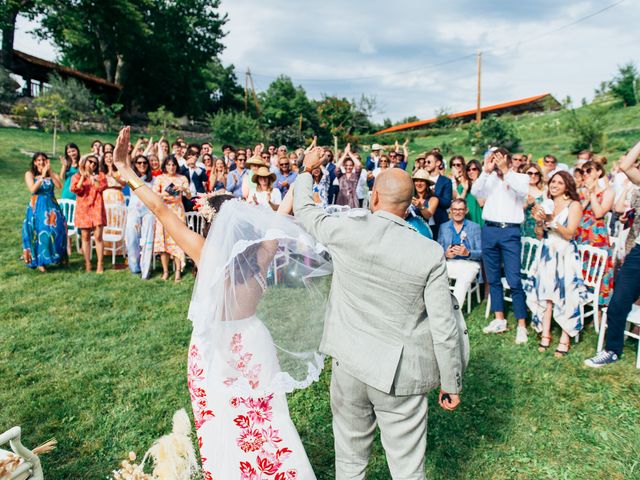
481 211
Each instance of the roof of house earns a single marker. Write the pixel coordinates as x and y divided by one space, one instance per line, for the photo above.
41 68
524 104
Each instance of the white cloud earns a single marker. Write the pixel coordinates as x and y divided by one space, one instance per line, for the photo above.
328 47
367 47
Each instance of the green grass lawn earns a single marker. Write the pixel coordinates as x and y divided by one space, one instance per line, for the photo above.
99 362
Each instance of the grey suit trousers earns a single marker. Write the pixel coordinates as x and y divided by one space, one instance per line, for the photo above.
357 408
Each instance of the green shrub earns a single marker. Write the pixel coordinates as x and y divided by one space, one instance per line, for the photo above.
66 101
586 129
235 128
492 132
25 113
162 120
8 86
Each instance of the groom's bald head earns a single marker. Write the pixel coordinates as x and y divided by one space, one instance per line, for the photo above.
392 191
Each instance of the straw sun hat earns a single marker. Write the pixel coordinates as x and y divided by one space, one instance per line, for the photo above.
263 172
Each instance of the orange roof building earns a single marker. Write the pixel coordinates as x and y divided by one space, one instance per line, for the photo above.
536 103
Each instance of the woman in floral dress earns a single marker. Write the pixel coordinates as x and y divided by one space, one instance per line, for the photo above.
555 288
597 199
88 185
44 230
171 186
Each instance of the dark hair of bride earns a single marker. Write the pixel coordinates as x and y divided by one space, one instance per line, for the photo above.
215 203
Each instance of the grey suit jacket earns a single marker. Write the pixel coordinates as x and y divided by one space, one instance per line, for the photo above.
390 320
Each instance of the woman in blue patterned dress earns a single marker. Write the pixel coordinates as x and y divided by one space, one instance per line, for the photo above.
44 230
555 290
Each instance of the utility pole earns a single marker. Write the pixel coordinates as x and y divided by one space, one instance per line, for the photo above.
478 113
249 78
246 91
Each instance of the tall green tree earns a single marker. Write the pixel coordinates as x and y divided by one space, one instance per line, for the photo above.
625 84
159 50
282 104
9 11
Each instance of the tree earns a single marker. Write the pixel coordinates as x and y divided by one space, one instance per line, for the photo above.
282 105
159 50
8 86
493 132
162 120
67 100
625 85
586 128
235 128
222 84
9 11
336 118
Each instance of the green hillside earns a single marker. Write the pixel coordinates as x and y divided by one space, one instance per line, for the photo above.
543 133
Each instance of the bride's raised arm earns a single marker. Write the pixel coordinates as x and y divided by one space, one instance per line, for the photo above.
186 239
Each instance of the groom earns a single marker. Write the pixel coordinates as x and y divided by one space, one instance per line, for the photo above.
389 325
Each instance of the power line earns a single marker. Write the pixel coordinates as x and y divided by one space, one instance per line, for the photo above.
447 62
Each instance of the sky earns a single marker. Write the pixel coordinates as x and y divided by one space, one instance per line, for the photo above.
419 57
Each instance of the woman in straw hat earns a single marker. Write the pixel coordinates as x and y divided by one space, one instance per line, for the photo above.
424 202
254 164
265 194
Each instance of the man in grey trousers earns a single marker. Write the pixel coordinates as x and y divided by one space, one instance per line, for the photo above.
389 326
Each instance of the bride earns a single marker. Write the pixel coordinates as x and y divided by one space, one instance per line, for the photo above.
257 311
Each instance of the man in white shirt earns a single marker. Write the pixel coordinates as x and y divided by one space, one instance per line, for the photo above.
504 192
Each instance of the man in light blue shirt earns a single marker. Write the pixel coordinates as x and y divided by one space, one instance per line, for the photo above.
284 177
234 181
460 239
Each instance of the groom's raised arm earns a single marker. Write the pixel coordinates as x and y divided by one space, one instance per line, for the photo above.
314 220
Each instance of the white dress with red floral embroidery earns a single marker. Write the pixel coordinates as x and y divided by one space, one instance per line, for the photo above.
243 437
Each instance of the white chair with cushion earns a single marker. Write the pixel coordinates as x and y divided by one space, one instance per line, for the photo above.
30 467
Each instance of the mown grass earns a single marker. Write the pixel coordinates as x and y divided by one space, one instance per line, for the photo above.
100 363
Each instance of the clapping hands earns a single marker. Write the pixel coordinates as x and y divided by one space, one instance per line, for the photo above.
121 151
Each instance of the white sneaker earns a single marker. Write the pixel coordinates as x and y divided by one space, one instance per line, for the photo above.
521 335
496 326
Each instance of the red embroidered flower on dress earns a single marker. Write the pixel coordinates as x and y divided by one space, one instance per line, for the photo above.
250 441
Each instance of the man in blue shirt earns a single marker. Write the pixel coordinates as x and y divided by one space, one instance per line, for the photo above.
460 239
284 177
234 180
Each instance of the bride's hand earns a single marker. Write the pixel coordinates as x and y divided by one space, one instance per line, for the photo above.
121 151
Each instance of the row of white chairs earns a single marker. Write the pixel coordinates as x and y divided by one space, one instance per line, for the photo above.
594 258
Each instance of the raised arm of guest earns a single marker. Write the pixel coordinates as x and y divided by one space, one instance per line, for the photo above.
628 164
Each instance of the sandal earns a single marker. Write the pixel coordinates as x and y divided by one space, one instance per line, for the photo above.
561 353
541 347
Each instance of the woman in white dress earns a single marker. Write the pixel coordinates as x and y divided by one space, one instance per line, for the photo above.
264 194
555 289
253 340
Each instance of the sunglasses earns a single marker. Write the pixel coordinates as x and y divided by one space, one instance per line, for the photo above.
531 174
142 162
549 162
473 169
589 170
241 159
93 162
460 210
456 164
517 159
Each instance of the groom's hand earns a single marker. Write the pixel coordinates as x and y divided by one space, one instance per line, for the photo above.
448 401
313 159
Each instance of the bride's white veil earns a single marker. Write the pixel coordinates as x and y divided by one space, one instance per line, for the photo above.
262 276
